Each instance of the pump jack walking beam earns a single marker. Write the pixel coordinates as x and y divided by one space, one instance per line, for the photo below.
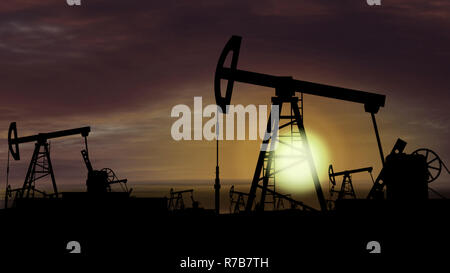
371 101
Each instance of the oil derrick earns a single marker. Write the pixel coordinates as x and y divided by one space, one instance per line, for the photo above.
176 201
40 164
294 122
40 167
346 189
285 93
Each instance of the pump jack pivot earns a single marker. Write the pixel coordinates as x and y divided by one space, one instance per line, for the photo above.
285 88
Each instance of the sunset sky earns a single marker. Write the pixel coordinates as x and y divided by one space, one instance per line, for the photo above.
120 67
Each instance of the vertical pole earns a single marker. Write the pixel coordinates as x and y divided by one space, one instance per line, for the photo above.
378 138
217 182
86 144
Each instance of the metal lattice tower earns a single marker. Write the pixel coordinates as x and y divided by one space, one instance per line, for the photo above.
265 169
347 188
40 167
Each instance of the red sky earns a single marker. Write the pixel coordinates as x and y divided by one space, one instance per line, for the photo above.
120 67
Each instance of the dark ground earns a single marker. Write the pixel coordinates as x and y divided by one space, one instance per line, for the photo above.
140 234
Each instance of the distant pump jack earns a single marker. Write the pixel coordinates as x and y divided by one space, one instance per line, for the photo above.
257 120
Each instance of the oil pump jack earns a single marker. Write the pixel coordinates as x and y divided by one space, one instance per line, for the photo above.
286 89
40 165
407 176
347 184
100 181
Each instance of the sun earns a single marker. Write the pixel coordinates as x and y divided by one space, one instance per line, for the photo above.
293 170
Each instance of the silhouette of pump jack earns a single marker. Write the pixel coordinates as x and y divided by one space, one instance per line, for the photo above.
40 165
101 181
285 92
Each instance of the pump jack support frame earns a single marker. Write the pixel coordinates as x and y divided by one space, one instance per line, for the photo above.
274 125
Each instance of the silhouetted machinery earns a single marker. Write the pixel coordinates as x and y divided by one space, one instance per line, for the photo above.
237 205
40 165
176 201
237 200
285 92
347 184
101 181
406 177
